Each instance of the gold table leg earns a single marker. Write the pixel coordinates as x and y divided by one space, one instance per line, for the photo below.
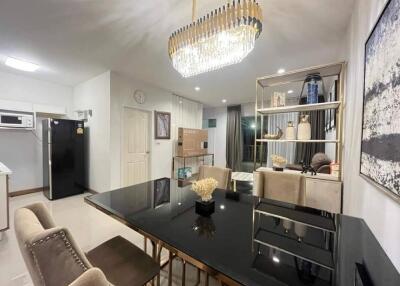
183 272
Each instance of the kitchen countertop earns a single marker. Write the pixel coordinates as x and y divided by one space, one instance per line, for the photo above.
4 170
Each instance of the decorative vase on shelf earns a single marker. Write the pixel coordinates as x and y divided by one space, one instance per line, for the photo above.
290 131
312 90
304 128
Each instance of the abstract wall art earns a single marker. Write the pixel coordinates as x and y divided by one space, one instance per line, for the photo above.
380 146
162 125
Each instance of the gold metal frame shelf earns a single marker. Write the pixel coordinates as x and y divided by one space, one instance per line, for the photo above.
299 108
298 141
335 69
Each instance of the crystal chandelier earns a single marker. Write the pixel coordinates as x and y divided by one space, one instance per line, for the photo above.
223 37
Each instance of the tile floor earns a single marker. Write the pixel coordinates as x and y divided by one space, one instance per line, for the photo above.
89 227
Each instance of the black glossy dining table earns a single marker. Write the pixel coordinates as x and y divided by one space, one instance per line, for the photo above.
250 240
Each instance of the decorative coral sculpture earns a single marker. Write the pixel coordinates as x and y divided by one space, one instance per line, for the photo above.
204 188
278 161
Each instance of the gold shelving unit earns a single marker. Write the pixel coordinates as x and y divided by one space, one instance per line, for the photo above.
298 76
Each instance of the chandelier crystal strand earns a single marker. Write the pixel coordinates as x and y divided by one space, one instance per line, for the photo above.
221 38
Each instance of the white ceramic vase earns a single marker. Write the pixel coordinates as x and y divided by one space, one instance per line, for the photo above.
290 131
304 128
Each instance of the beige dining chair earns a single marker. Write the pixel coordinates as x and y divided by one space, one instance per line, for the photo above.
221 175
284 187
54 259
280 186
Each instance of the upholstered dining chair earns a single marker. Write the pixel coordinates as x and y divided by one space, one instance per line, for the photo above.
54 259
280 186
285 187
221 175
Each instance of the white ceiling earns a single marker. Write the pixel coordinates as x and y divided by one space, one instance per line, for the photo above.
74 40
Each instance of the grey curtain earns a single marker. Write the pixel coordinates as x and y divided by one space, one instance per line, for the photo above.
305 151
234 138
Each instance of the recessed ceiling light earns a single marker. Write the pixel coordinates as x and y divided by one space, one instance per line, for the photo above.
275 259
180 101
222 207
281 71
290 91
197 88
224 101
21 65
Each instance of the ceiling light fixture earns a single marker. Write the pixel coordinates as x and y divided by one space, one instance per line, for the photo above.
21 65
276 259
290 91
224 101
280 71
223 37
197 88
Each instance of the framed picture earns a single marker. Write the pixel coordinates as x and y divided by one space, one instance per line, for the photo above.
162 125
161 192
278 99
380 140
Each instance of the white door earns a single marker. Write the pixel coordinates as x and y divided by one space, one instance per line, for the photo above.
135 147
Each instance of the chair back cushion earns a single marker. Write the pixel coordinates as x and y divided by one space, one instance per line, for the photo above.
280 186
221 175
50 253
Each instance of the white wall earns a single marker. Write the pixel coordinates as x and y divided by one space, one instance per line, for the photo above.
381 213
217 136
94 94
21 150
184 113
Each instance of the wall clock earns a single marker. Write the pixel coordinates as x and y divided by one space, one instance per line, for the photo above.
140 97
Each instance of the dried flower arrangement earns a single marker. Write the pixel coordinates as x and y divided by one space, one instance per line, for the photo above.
204 188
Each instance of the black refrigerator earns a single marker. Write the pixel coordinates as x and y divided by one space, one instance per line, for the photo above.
63 158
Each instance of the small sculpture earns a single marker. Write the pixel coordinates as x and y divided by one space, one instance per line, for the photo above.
278 162
307 168
274 136
204 188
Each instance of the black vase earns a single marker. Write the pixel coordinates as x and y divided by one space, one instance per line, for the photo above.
205 208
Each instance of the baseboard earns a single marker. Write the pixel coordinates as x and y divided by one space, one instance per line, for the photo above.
91 191
36 190
25 192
